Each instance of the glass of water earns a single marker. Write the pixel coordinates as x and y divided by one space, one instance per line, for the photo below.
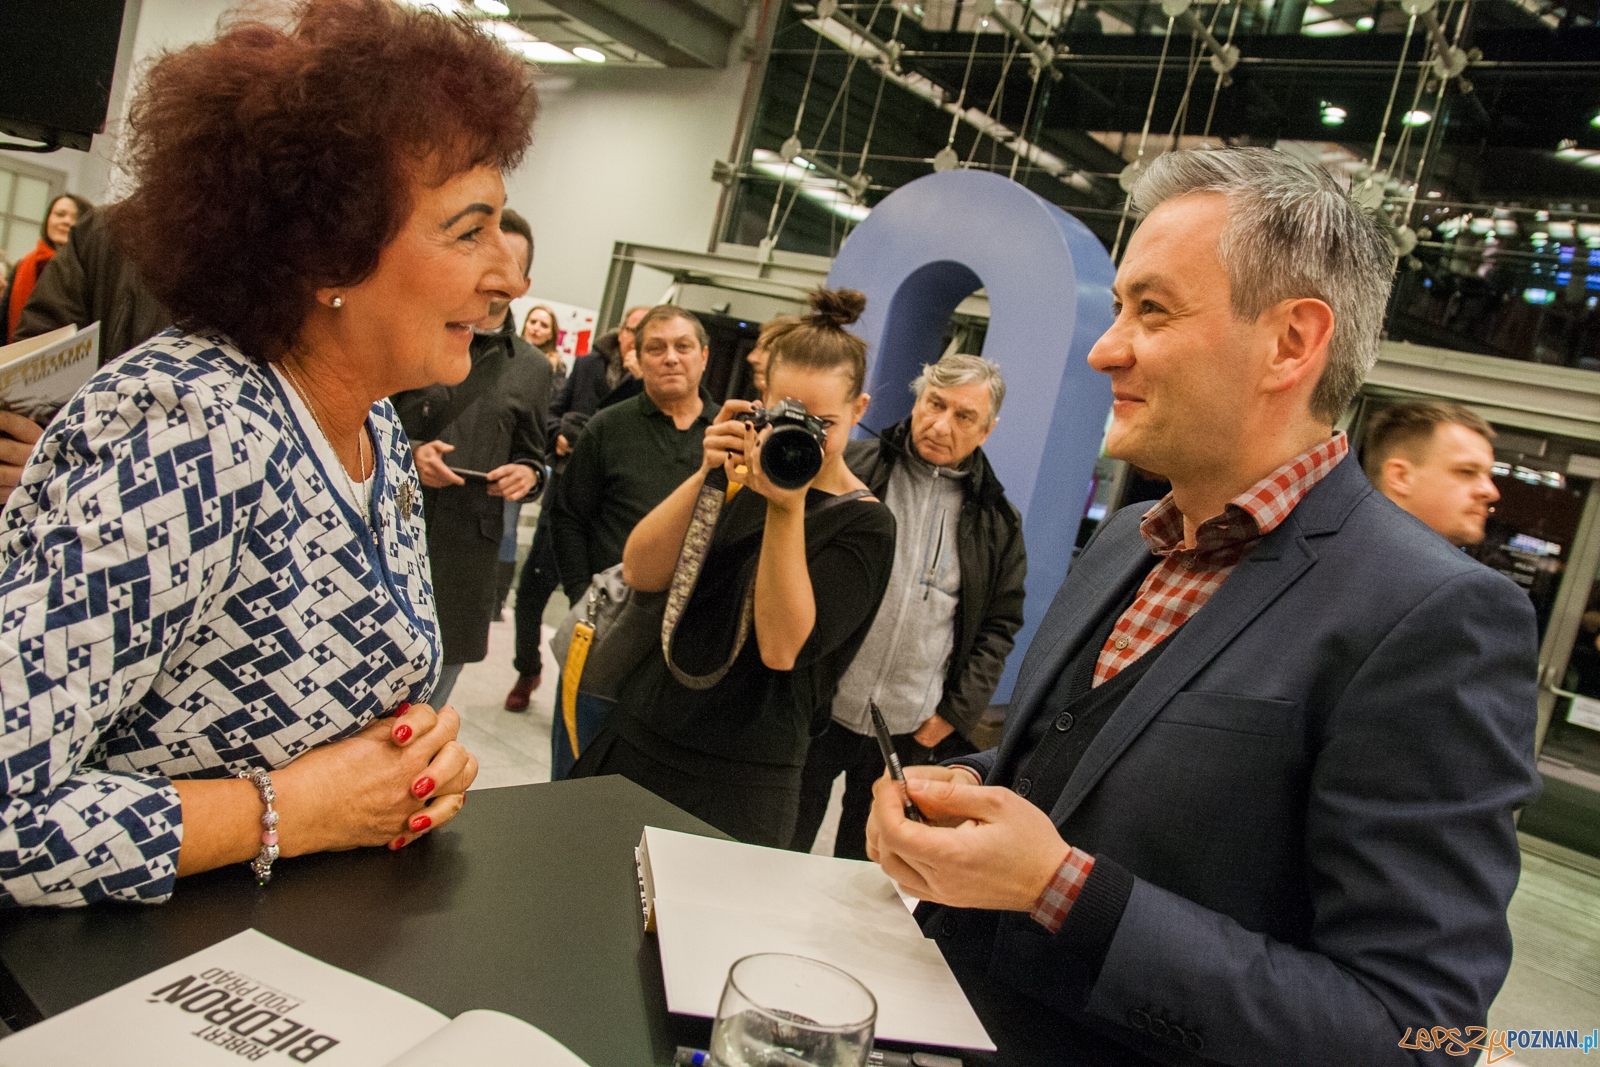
780 1010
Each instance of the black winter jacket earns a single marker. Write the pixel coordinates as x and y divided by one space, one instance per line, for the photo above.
994 565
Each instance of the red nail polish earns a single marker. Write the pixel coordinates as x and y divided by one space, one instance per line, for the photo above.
420 823
423 787
405 705
399 842
402 734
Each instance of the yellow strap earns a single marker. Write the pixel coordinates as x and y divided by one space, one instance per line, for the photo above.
571 675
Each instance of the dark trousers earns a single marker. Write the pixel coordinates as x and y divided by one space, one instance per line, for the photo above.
842 750
539 579
753 803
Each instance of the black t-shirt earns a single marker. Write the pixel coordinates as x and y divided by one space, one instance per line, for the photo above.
756 714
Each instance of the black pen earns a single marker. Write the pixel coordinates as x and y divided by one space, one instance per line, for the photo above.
891 760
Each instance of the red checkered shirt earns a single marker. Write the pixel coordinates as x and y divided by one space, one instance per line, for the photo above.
1186 578
1177 588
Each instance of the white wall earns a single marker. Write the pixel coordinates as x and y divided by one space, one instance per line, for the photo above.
622 155
618 154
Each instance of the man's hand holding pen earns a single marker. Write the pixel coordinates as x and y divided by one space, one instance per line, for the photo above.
981 846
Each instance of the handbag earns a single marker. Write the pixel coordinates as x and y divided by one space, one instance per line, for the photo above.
613 627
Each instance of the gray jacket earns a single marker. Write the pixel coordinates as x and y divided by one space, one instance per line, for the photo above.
994 564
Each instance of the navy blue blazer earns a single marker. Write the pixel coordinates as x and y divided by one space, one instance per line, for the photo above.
1313 788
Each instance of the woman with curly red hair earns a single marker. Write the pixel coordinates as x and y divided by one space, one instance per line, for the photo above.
213 576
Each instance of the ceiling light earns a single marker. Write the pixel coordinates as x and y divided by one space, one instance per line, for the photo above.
1417 118
1327 28
1333 115
544 52
804 162
1365 22
444 7
1596 120
512 35
593 55
493 7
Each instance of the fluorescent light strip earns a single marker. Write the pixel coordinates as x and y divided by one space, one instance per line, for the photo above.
831 194
1046 161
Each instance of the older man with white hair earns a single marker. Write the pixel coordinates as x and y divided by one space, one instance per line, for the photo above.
1255 800
954 602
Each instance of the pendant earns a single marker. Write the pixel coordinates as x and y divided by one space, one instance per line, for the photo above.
403 497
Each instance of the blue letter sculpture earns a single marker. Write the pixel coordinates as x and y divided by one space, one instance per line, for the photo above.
926 247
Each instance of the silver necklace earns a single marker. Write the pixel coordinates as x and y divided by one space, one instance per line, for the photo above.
361 451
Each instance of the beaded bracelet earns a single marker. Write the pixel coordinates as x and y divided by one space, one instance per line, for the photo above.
262 864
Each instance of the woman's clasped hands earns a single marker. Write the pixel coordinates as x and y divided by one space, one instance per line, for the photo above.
389 784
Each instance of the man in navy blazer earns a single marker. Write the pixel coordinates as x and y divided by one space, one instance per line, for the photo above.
1254 803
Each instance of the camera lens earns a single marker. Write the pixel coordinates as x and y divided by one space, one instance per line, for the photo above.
791 457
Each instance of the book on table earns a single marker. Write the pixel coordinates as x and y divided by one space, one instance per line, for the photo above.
251 998
712 902
39 375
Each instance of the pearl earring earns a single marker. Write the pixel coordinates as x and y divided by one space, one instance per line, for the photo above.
338 301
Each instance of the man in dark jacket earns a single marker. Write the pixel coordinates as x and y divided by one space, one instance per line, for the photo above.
954 603
492 422
597 380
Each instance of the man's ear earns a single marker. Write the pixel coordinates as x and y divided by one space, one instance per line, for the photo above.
1303 329
1398 475
989 430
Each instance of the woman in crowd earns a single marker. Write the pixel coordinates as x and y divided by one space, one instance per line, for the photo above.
757 357
732 754
64 213
214 565
539 330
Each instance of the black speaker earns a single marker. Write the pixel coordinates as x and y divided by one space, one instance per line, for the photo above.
57 59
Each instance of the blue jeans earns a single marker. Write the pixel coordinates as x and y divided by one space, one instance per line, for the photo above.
591 715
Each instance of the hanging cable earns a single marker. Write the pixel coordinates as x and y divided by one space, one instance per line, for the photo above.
1223 77
1027 114
1130 173
994 99
791 149
946 158
768 241
1383 128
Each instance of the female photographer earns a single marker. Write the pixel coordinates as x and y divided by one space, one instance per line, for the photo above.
732 754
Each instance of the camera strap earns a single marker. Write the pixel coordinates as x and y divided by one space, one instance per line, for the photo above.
692 556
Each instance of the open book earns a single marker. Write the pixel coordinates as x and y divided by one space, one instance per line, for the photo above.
251 998
711 902
39 375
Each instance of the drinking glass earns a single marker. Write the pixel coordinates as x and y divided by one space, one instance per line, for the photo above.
780 1010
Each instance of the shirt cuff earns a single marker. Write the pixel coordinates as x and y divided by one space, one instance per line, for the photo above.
1053 905
977 775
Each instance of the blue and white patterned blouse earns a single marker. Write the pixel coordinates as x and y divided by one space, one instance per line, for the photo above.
185 593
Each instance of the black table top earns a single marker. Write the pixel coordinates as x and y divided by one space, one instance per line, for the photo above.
526 903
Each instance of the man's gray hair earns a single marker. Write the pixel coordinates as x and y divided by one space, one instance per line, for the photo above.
957 370
1291 232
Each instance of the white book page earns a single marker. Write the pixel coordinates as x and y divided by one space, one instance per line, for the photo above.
716 901
489 1039
242 1000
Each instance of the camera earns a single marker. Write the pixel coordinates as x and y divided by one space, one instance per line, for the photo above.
792 454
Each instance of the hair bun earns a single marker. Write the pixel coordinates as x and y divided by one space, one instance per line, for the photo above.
836 307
